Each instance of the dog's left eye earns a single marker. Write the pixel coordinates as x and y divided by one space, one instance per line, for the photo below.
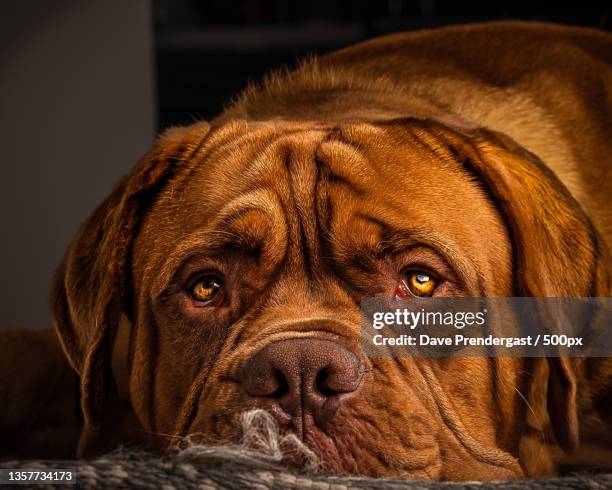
416 283
207 290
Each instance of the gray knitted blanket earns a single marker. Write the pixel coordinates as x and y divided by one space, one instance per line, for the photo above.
142 471
254 463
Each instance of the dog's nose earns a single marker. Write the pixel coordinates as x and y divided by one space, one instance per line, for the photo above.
303 376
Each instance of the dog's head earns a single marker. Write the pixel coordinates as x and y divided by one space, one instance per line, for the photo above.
239 254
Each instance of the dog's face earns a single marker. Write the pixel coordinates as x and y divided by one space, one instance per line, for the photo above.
248 272
240 255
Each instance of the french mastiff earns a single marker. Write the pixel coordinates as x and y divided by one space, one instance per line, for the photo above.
228 266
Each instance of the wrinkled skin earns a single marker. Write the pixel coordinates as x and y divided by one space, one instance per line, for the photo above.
297 225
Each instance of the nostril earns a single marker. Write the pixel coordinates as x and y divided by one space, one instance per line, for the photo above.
335 379
264 382
322 383
281 383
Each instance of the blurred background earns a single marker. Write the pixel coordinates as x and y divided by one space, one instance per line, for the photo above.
85 85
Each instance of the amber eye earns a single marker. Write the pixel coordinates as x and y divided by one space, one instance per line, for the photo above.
417 283
207 290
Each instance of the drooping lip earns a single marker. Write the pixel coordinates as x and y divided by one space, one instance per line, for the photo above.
316 452
330 458
337 456
345 449
305 445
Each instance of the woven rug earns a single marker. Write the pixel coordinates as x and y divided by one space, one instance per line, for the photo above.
142 471
254 463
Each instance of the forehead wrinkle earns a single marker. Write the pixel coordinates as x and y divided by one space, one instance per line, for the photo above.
310 170
413 140
287 165
346 162
227 134
193 160
259 190
304 174
393 239
432 143
217 237
356 133
264 165
230 156
182 154
264 201
402 239
396 239
391 205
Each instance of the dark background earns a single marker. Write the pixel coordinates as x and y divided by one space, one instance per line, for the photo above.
207 51
86 84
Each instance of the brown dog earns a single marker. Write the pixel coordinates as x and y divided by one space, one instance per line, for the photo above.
228 267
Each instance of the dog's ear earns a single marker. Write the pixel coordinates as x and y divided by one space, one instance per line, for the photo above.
556 250
91 287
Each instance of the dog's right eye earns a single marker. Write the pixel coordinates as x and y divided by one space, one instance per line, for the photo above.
207 290
416 283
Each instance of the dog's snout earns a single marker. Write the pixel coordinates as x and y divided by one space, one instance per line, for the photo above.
303 377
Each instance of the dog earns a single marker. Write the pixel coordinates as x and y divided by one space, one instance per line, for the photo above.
225 272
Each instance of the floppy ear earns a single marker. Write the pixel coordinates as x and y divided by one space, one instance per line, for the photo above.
91 286
556 250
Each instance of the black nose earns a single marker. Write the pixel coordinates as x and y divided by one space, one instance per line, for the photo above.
303 377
